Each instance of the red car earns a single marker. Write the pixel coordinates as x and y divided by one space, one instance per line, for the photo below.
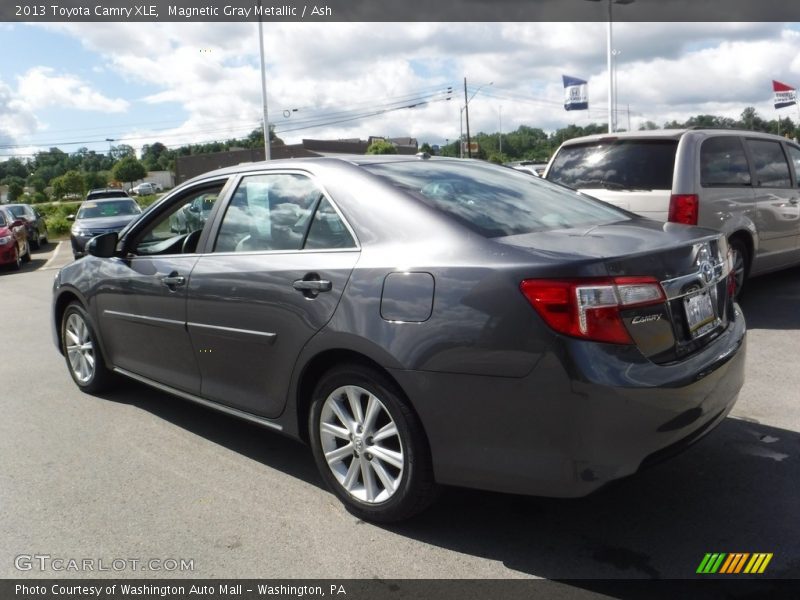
14 249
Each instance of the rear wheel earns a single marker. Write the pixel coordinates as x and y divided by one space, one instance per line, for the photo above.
741 262
370 446
81 351
26 257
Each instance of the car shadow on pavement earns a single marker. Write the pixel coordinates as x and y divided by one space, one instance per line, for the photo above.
736 490
733 491
248 439
773 301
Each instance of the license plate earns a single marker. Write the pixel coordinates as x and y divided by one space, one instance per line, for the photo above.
700 313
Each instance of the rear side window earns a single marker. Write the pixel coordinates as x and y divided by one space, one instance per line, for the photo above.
624 164
723 162
771 167
495 201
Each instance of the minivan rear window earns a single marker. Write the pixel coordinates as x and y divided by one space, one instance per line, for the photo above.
623 164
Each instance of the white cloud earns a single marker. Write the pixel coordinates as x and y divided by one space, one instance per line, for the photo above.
42 86
666 71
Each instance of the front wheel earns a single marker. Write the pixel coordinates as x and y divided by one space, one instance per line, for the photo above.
81 351
370 446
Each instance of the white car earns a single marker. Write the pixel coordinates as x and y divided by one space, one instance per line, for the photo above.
143 189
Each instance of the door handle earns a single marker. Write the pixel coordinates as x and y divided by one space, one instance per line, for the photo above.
173 280
313 285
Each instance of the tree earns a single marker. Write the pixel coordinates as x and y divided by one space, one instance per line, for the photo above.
70 182
122 151
426 147
95 180
128 169
16 187
381 147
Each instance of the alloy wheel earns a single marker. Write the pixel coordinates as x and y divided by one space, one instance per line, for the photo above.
361 444
80 348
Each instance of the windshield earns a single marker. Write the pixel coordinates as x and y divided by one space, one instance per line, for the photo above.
17 211
628 164
110 208
495 201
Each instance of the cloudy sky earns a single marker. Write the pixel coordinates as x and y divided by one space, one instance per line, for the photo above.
76 84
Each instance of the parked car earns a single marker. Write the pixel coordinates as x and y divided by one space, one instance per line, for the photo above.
100 216
34 223
192 215
742 183
145 188
419 322
102 193
14 248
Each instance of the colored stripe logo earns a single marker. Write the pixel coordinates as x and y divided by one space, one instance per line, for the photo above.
734 563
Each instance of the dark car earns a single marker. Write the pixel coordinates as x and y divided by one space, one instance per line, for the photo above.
102 193
100 216
34 223
14 248
418 322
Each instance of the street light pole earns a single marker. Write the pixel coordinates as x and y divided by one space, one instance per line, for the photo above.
610 66
263 84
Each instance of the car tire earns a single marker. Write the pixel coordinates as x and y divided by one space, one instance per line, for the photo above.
741 263
17 264
35 244
369 446
27 256
82 352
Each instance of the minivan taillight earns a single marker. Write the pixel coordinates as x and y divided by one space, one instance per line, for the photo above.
590 308
683 208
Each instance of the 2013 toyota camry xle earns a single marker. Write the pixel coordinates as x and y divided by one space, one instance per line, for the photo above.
419 322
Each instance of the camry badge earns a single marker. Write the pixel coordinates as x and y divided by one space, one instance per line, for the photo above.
647 319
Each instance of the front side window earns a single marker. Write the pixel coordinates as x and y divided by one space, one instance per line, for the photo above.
280 211
771 167
723 162
169 233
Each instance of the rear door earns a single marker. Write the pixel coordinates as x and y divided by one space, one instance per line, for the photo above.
777 208
270 279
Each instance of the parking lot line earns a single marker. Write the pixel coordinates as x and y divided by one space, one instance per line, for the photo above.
55 254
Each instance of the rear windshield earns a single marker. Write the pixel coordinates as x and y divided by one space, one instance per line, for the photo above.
106 194
108 208
616 164
495 201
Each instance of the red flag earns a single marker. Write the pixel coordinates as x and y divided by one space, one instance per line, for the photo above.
785 95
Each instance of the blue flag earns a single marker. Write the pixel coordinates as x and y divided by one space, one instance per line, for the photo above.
576 93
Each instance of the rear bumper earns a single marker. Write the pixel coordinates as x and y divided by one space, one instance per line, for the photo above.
586 415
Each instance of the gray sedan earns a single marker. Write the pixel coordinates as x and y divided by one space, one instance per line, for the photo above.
418 322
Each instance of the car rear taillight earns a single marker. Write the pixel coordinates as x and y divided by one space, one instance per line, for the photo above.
590 308
683 208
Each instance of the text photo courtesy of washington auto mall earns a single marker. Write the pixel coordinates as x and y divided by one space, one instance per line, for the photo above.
380 300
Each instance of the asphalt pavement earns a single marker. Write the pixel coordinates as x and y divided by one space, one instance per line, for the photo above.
139 476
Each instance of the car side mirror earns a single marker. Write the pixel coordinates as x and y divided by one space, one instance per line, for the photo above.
17 223
70 217
103 245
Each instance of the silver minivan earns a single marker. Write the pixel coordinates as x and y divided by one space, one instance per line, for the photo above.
743 183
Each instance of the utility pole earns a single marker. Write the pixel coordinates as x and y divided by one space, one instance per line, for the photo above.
466 109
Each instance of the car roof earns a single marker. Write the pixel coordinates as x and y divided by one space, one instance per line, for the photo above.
304 162
114 199
667 134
